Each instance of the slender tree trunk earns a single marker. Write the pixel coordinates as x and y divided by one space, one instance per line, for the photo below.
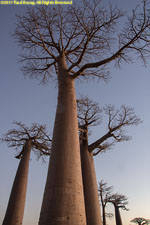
103 209
15 209
63 201
104 216
117 216
92 205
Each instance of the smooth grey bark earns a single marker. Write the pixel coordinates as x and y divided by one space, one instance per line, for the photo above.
63 201
92 206
15 209
117 216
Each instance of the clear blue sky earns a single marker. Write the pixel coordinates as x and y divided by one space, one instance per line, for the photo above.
126 166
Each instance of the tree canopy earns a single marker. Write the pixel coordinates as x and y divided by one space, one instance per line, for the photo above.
16 138
91 114
140 221
89 35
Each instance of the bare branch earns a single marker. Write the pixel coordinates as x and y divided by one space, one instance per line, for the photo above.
89 113
16 138
117 120
132 39
86 34
119 201
103 147
78 31
105 192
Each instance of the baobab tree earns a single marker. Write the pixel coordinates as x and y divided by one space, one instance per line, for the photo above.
119 201
140 221
72 42
89 114
23 139
105 192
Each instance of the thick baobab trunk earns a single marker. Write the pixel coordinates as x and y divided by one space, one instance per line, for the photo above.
63 201
92 206
15 209
117 216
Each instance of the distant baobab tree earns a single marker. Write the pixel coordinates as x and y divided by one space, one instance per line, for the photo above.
77 41
24 139
140 221
89 114
119 201
105 192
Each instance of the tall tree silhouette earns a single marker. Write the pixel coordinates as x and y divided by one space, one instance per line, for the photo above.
76 41
140 221
105 192
24 138
89 114
119 201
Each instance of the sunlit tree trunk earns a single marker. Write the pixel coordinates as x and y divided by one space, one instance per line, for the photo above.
117 216
92 205
15 209
63 201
